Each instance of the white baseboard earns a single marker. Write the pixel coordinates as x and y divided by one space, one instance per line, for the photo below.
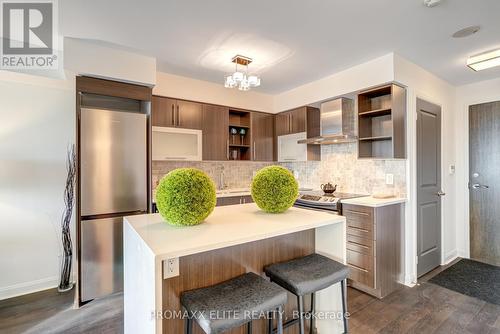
450 256
28 287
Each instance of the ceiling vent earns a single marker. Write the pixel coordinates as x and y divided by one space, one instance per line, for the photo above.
431 3
466 32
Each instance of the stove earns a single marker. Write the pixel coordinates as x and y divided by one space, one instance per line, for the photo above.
318 200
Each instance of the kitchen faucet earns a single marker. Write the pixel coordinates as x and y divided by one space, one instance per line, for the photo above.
221 184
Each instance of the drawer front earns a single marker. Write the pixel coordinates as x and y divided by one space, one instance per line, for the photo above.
360 232
361 268
360 245
361 218
362 261
361 276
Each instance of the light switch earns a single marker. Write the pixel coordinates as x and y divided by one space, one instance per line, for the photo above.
170 268
389 179
452 169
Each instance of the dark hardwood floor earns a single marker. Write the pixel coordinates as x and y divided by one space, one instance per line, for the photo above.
425 308
51 312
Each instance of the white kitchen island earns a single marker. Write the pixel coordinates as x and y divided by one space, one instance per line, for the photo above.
233 240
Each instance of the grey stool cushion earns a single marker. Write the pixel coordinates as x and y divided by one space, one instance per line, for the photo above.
307 274
231 303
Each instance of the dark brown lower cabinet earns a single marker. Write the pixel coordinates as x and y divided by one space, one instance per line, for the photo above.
234 200
374 248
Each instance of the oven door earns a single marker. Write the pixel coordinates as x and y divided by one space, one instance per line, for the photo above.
316 208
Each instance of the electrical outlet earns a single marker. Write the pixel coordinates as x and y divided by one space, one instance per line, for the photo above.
389 179
296 174
170 268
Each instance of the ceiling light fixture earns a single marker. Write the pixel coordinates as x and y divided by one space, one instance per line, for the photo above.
484 60
241 79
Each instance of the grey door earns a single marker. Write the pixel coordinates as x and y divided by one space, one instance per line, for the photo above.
484 181
428 186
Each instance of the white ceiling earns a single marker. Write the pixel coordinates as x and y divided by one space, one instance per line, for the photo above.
292 41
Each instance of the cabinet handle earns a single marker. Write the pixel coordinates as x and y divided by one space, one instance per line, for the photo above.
291 121
359 245
178 117
356 267
227 150
173 115
254 149
357 213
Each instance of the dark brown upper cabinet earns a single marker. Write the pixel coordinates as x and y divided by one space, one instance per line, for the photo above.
292 121
215 132
382 122
262 125
176 113
303 119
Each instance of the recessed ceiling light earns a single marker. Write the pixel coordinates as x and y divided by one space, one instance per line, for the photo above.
431 3
484 60
466 32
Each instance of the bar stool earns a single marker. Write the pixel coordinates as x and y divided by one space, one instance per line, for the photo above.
230 304
306 275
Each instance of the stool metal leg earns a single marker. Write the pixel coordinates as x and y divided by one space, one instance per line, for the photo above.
300 302
312 322
189 326
280 320
249 327
270 323
344 304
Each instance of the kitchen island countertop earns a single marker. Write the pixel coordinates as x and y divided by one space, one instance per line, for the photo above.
226 226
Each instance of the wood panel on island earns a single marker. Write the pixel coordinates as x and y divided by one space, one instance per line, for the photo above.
227 133
382 122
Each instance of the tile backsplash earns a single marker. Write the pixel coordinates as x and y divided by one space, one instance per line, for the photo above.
237 174
340 165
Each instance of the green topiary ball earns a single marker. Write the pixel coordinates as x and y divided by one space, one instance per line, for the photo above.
185 197
274 189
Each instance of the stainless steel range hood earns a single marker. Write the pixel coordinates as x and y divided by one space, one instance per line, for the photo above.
337 123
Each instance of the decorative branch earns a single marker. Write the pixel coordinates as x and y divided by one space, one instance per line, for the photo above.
69 198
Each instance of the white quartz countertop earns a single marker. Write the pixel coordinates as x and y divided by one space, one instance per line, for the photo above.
226 226
374 202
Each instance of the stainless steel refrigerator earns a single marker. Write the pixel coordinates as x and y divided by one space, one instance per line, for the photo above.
113 184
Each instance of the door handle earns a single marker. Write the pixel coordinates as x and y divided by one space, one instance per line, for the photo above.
479 186
440 193
173 115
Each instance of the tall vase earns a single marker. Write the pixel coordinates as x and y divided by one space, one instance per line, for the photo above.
65 283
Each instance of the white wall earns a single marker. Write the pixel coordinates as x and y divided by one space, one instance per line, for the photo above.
89 58
369 74
481 92
37 124
171 85
423 84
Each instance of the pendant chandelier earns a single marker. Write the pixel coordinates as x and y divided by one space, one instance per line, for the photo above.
239 78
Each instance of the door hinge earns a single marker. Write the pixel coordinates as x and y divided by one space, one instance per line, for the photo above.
416 259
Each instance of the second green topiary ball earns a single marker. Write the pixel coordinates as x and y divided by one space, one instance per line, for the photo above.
185 196
274 189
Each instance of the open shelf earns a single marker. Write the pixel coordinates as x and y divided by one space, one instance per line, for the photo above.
377 138
376 112
381 123
238 148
